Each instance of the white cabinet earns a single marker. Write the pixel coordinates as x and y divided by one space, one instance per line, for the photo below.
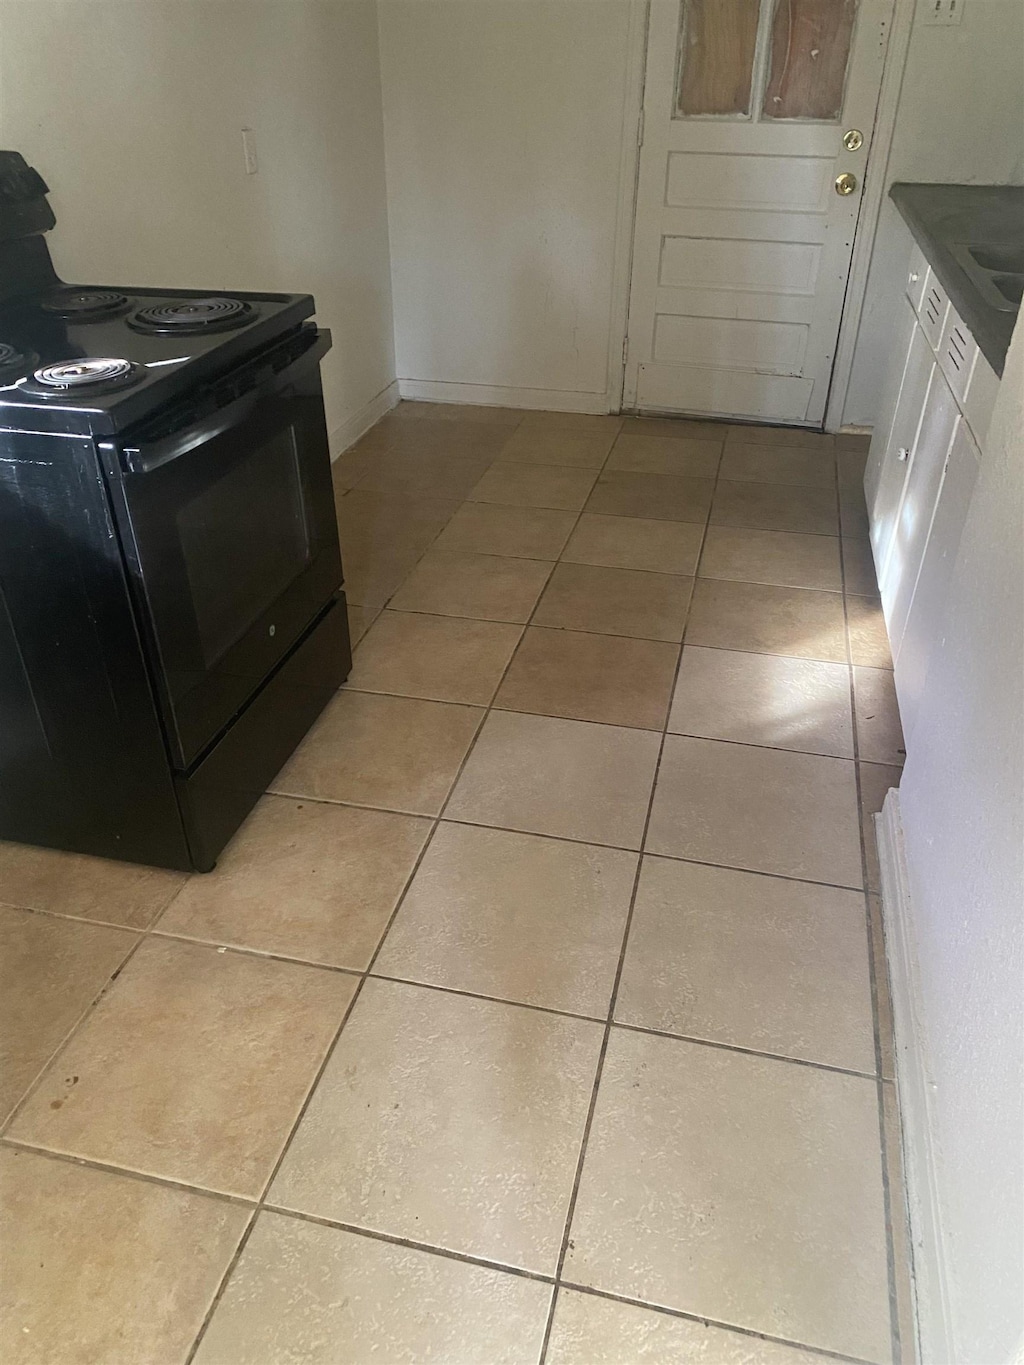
933 309
889 464
921 472
927 461
924 628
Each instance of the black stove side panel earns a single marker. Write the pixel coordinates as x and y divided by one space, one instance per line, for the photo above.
82 760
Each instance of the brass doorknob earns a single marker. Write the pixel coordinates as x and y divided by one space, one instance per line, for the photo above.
846 183
853 140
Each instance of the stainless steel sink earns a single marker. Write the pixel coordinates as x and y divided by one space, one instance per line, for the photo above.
997 271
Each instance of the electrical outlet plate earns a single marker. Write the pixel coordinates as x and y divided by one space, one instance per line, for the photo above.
943 12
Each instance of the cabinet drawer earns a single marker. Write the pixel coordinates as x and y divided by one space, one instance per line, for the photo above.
932 311
917 275
957 353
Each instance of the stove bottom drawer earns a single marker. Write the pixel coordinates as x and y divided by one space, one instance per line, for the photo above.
218 794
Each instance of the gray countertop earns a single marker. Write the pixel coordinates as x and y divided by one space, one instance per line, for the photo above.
945 217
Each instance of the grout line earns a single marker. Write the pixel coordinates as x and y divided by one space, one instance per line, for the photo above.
745 1051
890 1252
392 1239
749 1332
579 630
131 1173
602 1055
436 820
86 1014
243 1242
318 1076
241 950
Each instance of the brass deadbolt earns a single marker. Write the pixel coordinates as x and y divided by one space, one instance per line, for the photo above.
846 183
853 140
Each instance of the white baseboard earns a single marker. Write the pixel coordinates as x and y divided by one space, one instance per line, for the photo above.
914 1089
350 430
549 400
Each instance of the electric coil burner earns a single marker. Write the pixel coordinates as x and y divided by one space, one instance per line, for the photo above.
85 305
94 374
172 612
13 362
190 317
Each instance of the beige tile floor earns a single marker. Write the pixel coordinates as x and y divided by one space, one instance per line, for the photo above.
539 1013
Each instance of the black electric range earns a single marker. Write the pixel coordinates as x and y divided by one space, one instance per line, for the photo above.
171 610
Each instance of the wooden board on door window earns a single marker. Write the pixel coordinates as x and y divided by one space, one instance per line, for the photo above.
716 62
810 52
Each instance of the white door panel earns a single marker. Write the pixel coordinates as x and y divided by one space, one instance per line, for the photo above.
700 263
741 245
772 347
735 303
767 398
747 180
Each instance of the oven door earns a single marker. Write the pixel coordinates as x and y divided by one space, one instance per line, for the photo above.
235 542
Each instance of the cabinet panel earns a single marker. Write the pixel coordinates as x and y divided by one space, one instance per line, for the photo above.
894 459
934 303
917 508
917 275
923 633
957 353
980 398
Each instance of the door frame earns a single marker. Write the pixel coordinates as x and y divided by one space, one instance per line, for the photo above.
629 173
876 186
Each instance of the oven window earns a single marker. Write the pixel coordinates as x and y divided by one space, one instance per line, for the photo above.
244 539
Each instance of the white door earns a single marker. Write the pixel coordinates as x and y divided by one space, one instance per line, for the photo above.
742 240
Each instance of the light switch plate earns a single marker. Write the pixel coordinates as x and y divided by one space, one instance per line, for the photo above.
944 12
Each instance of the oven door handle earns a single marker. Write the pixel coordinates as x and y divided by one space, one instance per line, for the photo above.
143 459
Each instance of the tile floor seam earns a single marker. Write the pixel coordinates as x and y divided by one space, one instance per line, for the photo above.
222 1285
567 838
624 946
887 1202
579 630
77 919
242 951
435 822
768 583
130 1172
774 530
318 1076
143 935
698 1041
33 1085
526 626
392 1239
264 954
714 1322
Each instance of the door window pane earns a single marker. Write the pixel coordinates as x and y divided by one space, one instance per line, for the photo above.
717 57
809 55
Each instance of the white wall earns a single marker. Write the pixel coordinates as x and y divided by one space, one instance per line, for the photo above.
133 110
503 126
962 805
960 120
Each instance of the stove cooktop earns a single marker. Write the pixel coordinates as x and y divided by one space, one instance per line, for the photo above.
85 359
